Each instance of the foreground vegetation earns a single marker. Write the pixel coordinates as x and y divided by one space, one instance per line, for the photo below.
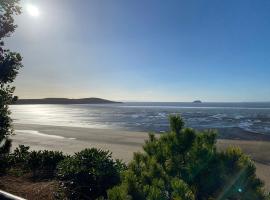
87 174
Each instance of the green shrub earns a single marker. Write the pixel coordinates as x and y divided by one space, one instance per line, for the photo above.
44 163
186 165
19 156
15 159
89 173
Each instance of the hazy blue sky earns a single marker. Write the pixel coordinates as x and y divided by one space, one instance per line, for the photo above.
146 50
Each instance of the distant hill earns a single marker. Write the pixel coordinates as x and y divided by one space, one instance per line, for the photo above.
65 101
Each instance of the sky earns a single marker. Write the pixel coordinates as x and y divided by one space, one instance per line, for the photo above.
144 50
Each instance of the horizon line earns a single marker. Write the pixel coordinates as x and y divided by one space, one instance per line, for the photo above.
140 101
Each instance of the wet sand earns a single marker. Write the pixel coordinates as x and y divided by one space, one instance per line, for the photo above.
121 143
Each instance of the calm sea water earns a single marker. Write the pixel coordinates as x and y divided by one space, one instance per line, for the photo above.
249 117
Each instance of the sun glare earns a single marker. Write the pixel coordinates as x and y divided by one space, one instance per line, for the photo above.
33 10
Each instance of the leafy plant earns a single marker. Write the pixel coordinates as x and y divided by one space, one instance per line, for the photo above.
43 163
19 156
89 173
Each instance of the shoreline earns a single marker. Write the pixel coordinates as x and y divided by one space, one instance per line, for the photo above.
121 143
234 133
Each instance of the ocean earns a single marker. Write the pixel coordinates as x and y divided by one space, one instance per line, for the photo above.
230 119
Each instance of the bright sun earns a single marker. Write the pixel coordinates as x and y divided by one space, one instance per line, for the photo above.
33 10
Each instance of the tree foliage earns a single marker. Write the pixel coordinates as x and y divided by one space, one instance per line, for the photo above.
10 63
186 165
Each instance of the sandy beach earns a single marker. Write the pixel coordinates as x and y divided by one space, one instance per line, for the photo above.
121 143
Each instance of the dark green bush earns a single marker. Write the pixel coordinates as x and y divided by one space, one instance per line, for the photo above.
185 165
19 156
43 163
15 159
89 173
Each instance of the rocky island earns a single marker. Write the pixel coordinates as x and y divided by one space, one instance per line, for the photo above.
197 101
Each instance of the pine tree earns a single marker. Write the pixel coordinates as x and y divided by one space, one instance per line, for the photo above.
185 165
